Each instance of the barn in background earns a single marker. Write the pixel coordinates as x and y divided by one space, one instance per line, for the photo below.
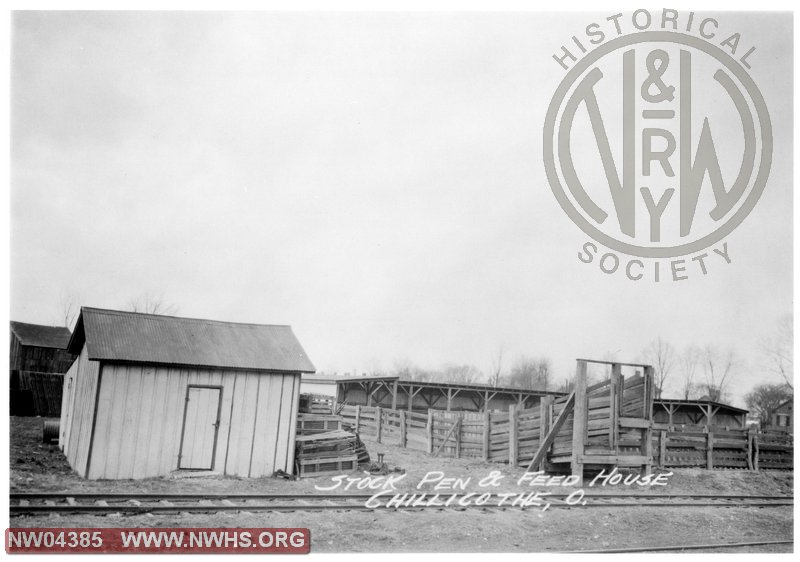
152 394
39 359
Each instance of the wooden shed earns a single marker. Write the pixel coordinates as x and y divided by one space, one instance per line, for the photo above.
38 360
150 394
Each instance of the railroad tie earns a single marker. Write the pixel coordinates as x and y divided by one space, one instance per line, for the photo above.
71 501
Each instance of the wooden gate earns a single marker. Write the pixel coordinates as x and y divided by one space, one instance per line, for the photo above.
609 423
200 426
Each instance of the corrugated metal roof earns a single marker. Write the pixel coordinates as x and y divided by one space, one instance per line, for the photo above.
114 335
41 336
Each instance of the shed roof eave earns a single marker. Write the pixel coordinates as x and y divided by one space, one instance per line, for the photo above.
107 361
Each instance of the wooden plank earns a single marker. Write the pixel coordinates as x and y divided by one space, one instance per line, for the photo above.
403 428
545 408
710 451
429 430
579 422
487 435
512 435
548 439
458 437
634 422
619 459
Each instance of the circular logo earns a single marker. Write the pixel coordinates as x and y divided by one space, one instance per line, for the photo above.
657 144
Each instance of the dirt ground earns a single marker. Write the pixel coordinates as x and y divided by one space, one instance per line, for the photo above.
39 467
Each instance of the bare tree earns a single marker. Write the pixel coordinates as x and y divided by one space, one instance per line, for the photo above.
717 367
661 355
764 399
530 373
461 374
149 303
373 367
406 370
544 372
779 350
687 366
496 369
69 308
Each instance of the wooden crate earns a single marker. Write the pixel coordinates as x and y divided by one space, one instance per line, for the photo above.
326 466
308 424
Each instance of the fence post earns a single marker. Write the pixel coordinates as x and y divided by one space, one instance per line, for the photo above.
358 417
614 406
512 435
647 434
429 429
487 435
458 434
709 449
662 449
545 409
579 422
379 422
755 457
403 428
750 448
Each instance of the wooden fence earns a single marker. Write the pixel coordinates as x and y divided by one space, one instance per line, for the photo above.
511 436
41 393
515 436
718 447
608 423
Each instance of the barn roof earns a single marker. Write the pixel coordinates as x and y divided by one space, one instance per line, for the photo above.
37 335
113 335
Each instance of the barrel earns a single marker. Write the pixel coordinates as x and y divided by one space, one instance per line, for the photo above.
50 431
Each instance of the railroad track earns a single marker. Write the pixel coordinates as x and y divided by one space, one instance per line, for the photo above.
94 503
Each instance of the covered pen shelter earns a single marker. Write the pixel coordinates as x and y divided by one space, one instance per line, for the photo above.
151 394
698 413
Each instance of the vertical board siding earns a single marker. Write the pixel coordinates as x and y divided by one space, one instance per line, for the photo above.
265 432
39 359
67 400
140 419
293 423
242 424
145 425
82 413
225 419
284 424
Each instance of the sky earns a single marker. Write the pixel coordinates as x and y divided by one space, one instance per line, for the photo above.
373 180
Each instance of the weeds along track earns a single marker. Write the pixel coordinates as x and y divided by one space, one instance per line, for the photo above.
101 504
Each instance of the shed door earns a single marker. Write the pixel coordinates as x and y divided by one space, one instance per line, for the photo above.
200 427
